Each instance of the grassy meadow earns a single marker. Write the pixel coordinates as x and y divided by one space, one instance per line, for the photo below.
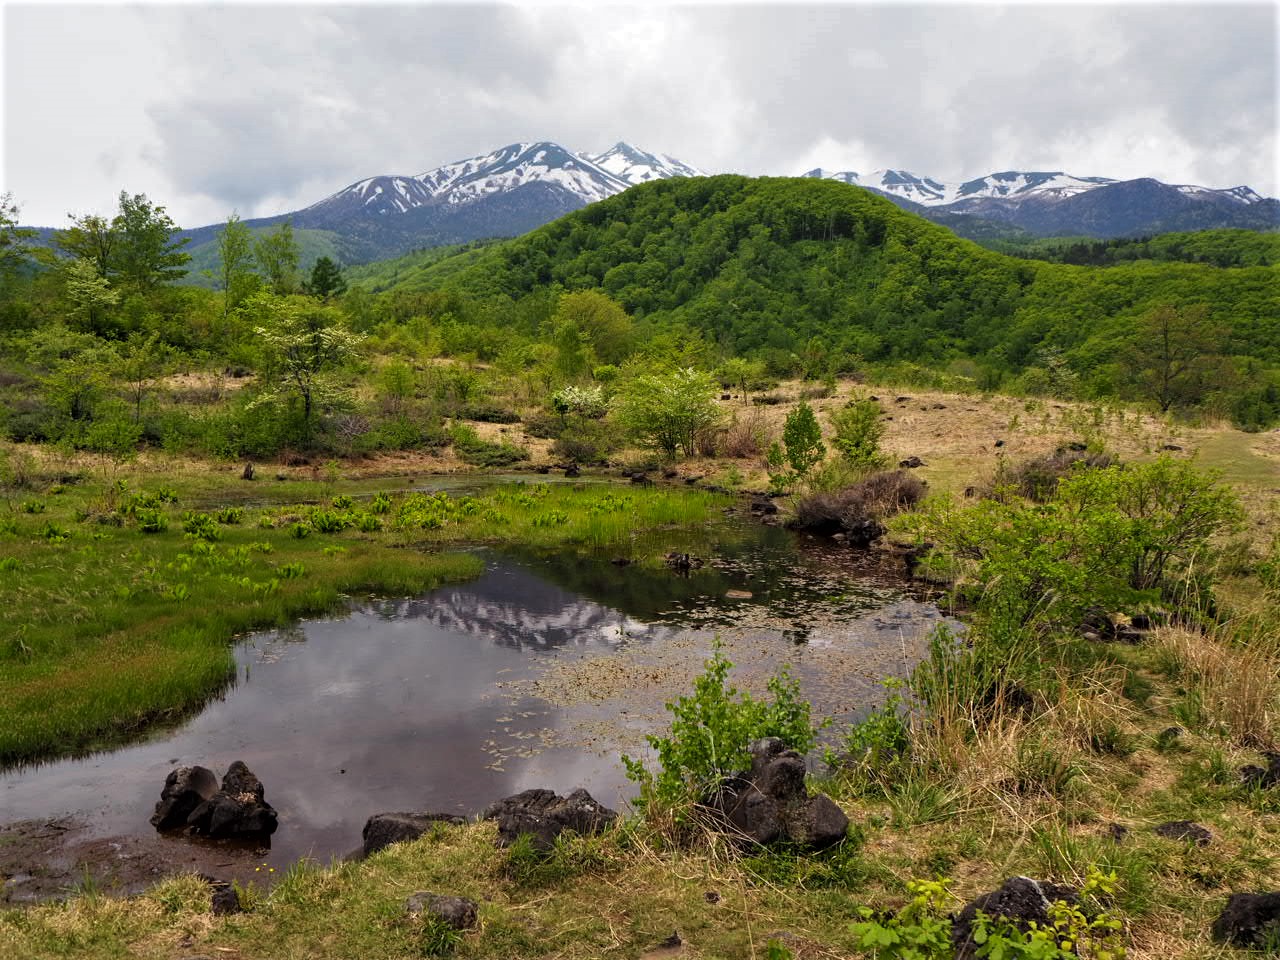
115 627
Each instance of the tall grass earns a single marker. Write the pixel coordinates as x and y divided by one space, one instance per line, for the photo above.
1234 675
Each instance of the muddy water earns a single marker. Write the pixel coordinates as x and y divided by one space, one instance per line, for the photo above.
538 673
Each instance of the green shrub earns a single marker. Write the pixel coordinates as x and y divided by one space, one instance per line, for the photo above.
33 506
482 453
802 438
921 930
875 744
667 411
585 441
711 734
857 434
1109 536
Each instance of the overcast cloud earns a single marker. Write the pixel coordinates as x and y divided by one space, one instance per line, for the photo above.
267 109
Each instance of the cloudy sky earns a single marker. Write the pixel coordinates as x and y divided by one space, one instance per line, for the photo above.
264 109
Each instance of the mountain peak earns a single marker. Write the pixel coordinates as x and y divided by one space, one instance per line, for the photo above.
634 165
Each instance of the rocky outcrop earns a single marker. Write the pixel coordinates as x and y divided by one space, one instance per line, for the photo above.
1249 920
383 829
184 789
770 802
544 815
1020 900
239 811
456 912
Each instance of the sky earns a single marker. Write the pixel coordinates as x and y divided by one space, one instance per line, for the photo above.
213 109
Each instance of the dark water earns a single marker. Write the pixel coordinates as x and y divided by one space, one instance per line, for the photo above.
536 674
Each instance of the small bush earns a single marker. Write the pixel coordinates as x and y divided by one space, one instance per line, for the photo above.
545 426
875 497
488 413
858 430
922 929
482 453
748 436
1037 479
711 733
587 441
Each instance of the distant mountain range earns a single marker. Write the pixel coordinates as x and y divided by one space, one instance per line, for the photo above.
524 185
1060 204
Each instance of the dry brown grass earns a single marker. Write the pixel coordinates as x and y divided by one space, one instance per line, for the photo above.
1236 677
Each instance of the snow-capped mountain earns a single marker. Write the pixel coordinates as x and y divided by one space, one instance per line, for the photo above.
1054 202
636 166
476 178
500 194
1055 185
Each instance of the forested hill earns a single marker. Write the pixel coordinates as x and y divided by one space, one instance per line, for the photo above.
764 265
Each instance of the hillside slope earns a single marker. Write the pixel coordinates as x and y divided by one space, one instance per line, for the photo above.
766 264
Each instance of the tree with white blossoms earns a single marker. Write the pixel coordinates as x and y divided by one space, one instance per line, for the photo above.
586 402
88 292
304 345
668 410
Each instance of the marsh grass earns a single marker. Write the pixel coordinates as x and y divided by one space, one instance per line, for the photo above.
108 628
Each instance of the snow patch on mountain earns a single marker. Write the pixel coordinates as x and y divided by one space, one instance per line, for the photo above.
1006 185
639 166
581 175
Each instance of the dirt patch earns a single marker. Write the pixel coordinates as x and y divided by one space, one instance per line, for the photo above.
53 859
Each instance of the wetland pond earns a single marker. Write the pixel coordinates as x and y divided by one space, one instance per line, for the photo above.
539 673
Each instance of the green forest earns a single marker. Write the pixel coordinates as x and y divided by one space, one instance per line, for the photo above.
107 344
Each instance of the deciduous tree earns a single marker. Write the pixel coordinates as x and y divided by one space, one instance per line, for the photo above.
235 264
668 410
1174 353
304 345
277 256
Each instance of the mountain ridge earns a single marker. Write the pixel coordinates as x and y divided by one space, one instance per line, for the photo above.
524 185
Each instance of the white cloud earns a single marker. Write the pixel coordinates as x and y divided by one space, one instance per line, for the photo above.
266 109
